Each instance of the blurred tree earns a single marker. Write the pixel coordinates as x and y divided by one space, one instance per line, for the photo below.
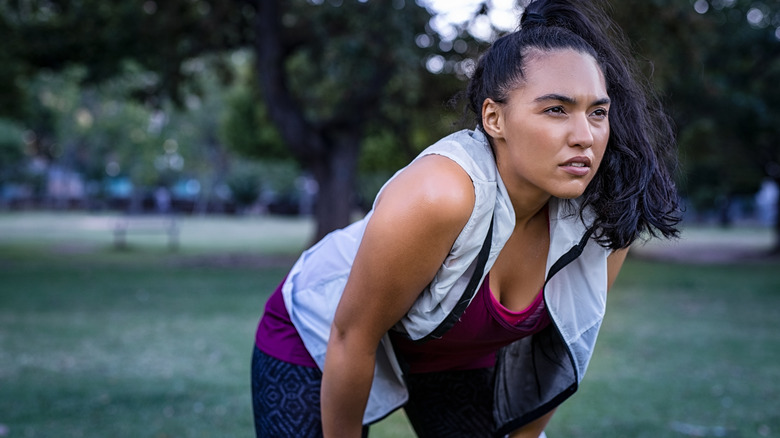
113 37
101 134
717 62
12 153
341 76
331 71
243 124
102 52
245 184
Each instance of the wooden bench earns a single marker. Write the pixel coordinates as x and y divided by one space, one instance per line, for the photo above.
146 225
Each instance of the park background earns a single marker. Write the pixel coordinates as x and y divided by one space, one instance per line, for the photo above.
226 136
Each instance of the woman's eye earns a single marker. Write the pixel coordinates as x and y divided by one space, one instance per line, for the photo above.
555 110
601 112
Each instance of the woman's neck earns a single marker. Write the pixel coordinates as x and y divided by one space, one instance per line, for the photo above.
526 210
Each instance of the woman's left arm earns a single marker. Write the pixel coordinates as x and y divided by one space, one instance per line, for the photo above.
614 263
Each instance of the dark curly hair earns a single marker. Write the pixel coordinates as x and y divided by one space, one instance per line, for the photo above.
633 191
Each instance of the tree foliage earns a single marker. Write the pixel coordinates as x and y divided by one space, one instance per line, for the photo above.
332 72
110 37
97 132
717 65
12 151
244 124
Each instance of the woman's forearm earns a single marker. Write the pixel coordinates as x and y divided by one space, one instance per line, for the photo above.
346 383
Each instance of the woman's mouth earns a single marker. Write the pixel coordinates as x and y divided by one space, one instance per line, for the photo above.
578 166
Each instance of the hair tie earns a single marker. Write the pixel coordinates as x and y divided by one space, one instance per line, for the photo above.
531 18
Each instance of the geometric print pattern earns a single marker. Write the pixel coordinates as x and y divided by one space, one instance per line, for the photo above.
286 398
453 404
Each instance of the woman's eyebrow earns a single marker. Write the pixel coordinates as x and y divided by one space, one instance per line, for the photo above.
569 100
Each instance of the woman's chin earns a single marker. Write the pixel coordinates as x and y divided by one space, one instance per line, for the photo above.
571 193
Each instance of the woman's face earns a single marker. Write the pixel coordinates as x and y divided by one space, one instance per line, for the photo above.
551 133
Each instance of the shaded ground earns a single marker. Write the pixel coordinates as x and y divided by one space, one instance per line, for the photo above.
711 246
700 246
256 242
697 246
238 260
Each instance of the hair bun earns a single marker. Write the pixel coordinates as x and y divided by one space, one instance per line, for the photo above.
532 19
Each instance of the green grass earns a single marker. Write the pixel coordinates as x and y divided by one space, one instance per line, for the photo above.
96 342
685 350
91 347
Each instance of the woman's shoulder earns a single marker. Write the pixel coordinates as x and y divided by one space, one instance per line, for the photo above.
471 150
435 185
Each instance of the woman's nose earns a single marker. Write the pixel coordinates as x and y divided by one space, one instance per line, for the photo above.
581 134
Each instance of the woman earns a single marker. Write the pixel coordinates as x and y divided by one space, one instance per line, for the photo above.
473 291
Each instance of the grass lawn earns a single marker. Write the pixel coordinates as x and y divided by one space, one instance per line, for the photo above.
96 342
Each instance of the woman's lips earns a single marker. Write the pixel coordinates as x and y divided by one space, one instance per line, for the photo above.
578 166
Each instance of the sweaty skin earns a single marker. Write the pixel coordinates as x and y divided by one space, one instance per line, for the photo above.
548 137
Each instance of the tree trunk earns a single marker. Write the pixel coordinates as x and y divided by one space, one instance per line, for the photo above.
301 137
335 175
328 148
776 246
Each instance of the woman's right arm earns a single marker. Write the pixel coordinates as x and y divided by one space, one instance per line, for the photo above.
415 222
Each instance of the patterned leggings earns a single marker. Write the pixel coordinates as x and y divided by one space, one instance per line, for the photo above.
286 401
286 398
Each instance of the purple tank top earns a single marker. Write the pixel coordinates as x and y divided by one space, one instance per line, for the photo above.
473 341
277 337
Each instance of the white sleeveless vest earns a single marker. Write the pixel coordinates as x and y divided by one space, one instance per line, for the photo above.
534 374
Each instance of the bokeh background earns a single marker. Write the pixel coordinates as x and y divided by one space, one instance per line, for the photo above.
162 163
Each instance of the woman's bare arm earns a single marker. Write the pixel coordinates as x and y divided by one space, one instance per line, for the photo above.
614 264
534 428
411 231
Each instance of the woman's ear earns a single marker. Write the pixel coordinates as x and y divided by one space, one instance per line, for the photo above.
491 118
